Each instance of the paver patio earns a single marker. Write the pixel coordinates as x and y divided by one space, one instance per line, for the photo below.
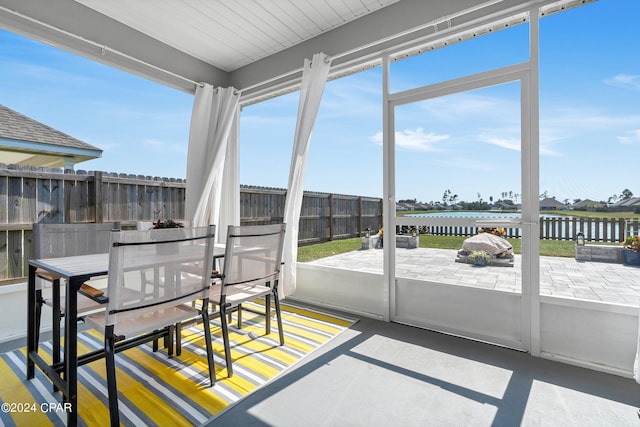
562 277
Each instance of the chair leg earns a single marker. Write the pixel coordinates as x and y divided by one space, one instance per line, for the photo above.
56 334
267 314
168 339
225 339
276 301
109 347
56 320
207 340
239 314
39 302
165 343
178 339
56 337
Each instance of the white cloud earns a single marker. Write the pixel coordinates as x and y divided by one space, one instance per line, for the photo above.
514 144
625 81
631 137
508 143
105 145
470 164
157 146
153 143
546 144
560 125
571 118
415 140
481 107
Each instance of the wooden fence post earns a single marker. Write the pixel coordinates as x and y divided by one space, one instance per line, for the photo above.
97 197
359 219
330 201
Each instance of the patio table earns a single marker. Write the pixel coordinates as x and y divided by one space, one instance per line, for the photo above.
76 270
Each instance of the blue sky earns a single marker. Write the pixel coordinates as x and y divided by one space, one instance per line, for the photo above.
466 143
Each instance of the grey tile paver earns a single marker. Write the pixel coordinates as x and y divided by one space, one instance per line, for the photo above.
565 277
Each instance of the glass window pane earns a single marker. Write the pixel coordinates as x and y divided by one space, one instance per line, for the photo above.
460 149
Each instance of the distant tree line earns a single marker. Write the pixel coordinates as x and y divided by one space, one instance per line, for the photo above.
508 200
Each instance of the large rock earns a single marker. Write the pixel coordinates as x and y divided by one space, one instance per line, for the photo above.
492 244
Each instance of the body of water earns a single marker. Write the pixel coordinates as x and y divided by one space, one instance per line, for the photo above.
483 214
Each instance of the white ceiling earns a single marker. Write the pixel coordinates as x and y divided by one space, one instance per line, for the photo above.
230 34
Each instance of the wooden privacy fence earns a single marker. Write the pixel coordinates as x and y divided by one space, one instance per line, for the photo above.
29 195
323 216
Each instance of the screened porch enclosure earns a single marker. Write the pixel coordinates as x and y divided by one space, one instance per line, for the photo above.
572 331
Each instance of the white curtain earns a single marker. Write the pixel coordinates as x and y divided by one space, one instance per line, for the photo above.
314 77
230 204
214 112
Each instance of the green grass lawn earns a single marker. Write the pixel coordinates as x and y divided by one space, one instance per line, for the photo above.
312 252
321 250
626 215
547 247
559 248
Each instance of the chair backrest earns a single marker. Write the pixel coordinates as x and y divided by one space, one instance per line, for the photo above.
253 255
59 240
176 262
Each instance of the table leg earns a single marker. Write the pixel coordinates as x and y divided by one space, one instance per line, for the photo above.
71 348
57 319
32 334
267 313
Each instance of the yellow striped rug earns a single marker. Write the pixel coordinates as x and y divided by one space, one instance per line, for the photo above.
157 390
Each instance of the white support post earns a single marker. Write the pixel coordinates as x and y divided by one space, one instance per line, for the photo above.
388 199
530 200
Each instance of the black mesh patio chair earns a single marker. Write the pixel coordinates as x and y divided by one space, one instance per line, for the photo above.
61 240
251 269
177 262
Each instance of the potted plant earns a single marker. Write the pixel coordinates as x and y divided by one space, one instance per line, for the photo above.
166 248
500 232
481 258
631 251
167 223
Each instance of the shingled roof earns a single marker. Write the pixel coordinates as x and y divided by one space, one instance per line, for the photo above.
587 203
551 203
26 141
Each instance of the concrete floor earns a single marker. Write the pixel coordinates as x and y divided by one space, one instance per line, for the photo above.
388 374
382 374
